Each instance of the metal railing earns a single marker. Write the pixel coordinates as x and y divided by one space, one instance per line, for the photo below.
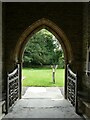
72 87
12 87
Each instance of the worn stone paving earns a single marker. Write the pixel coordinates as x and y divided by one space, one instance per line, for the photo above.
42 102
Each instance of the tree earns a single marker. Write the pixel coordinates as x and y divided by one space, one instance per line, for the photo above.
42 49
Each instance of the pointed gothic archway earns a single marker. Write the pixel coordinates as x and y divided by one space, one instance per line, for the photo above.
57 32
36 26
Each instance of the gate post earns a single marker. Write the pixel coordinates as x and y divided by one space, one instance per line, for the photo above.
76 102
7 95
65 86
76 95
20 80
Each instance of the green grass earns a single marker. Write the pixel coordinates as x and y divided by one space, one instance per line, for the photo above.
42 77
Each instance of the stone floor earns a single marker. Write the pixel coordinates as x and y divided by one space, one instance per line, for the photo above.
42 102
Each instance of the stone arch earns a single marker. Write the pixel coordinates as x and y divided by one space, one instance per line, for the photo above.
16 55
38 25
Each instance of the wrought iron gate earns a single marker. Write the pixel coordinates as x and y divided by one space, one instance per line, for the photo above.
72 87
12 87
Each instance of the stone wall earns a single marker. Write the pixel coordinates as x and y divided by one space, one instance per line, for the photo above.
85 42
0 59
18 16
85 107
89 24
0 49
72 18
88 83
4 49
68 16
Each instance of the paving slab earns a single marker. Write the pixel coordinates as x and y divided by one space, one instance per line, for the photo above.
43 92
43 102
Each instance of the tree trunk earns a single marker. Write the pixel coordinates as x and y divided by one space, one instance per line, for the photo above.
54 76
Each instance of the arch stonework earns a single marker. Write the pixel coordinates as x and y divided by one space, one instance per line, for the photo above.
38 25
16 55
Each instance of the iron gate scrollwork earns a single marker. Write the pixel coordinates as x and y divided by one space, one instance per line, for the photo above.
72 87
12 87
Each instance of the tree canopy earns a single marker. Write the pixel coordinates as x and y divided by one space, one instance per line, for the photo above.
43 49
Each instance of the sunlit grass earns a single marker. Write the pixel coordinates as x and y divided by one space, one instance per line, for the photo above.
42 77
